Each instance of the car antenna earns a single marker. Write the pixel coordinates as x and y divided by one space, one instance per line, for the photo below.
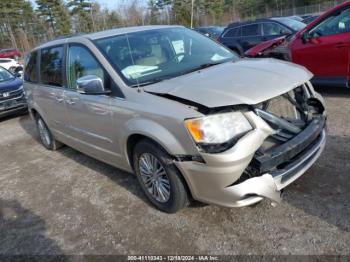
139 89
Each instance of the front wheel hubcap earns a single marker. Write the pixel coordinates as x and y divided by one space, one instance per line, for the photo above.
154 177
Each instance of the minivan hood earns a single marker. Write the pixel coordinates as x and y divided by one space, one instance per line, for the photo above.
248 81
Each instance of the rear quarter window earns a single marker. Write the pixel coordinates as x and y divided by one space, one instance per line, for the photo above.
30 71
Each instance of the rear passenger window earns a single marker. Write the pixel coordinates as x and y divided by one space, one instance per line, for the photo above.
234 32
251 30
51 66
30 72
82 63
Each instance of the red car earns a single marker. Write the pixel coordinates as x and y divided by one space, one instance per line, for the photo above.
323 47
10 53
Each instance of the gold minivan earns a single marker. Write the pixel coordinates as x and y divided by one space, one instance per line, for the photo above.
185 114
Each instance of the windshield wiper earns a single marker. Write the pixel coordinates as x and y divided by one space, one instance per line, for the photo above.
200 67
157 80
153 81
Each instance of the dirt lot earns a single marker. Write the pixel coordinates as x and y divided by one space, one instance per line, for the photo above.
67 203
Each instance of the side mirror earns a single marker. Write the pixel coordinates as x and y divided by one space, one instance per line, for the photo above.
91 85
207 34
306 37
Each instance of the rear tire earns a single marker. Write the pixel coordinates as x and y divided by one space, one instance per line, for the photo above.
159 179
46 137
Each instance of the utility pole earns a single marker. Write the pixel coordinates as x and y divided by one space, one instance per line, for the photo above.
92 18
192 13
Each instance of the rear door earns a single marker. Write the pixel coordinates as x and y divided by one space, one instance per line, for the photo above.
49 92
90 119
326 52
251 36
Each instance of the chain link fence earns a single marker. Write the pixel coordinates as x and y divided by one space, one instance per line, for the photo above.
301 10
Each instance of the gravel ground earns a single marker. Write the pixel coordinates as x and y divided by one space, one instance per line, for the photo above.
67 203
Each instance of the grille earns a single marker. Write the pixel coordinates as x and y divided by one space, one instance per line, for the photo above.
285 114
11 95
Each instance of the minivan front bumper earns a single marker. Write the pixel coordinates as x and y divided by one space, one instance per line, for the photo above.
218 180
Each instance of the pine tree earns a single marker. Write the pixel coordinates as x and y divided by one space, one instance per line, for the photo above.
153 12
82 11
55 14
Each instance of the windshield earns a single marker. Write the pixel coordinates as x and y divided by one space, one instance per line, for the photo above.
155 55
291 23
5 75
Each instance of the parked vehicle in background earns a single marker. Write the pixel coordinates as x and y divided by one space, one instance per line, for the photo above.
323 47
295 17
19 72
210 31
10 53
12 98
310 19
184 113
9 64
240 37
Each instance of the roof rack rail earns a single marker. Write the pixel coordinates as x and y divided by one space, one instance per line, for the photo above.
68 36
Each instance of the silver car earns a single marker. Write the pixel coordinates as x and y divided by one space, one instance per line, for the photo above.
185 114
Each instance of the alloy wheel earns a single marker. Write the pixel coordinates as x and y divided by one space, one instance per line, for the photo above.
154 177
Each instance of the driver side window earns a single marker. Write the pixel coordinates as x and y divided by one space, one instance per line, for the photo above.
82 63
336 24
272 29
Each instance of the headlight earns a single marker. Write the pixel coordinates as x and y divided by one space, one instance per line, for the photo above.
218 129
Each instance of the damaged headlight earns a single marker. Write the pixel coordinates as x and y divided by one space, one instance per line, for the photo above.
218 129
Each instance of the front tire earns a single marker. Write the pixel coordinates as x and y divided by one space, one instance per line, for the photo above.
46 136
159 178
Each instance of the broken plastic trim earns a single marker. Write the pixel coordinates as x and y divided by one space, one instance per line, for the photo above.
203 109
188 158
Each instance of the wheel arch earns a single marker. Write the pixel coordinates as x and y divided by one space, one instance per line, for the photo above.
35 112
134 139
169 140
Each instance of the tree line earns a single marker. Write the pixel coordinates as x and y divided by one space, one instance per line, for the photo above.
24 25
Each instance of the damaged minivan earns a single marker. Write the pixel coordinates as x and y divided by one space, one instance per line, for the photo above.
190 118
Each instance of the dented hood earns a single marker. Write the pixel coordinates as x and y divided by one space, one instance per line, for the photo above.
248 81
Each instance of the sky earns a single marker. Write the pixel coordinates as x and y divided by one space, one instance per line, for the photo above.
109 3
